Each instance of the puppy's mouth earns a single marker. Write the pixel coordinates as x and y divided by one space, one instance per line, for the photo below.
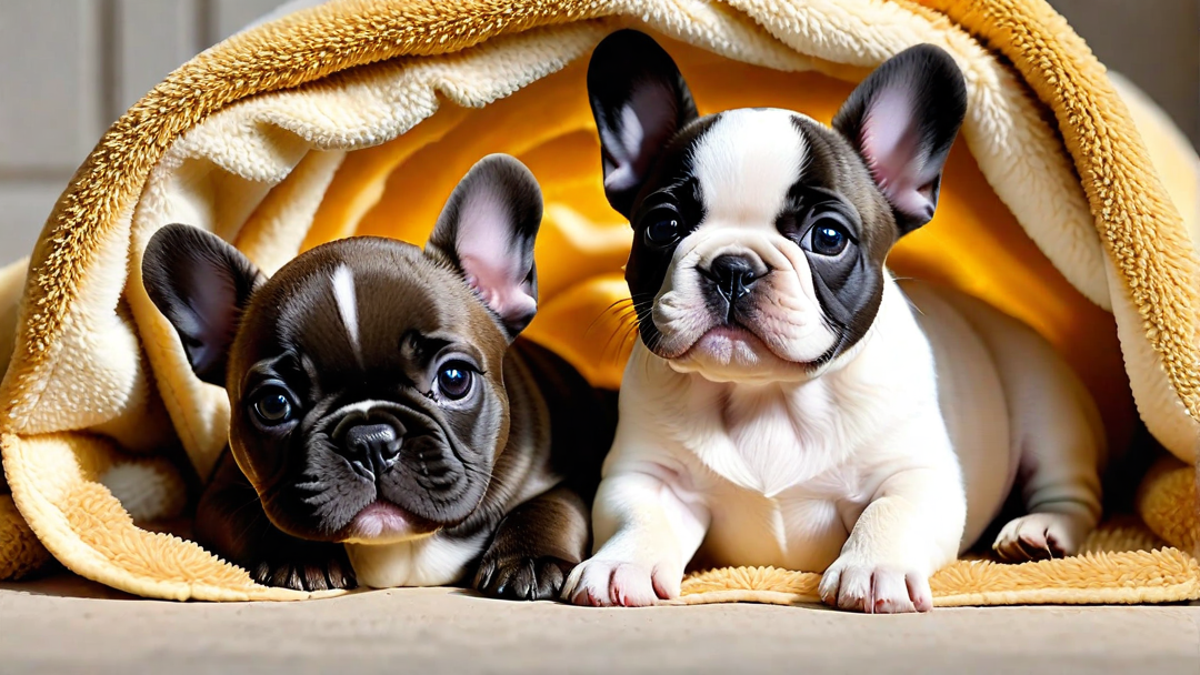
382 522
729 343
733 350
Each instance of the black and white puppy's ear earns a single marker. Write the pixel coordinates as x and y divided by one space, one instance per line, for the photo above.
201 284
640 102
902 120
487 229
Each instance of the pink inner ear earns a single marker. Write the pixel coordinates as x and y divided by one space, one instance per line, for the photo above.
214 306
490 258
510 302
894 154
647 120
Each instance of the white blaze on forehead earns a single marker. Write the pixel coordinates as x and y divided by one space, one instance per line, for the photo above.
746 163
347 303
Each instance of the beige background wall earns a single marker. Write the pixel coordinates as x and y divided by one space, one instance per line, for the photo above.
68 68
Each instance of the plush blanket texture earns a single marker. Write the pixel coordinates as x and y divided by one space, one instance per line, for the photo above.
1070 202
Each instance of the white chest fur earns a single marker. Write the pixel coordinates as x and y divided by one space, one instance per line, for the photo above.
437 560
785 469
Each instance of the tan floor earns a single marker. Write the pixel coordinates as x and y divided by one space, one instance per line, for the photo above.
436 630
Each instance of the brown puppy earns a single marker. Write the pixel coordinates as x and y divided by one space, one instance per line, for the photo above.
387 426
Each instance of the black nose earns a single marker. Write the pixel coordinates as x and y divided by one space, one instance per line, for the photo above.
734 276
373 446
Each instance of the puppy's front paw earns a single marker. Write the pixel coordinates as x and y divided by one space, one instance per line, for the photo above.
612 583
522 577
874 587
313 570
1039 536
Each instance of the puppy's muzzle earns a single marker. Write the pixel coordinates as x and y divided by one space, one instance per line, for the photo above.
371 443
733 277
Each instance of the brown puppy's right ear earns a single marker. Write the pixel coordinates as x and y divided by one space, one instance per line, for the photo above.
201 284
487 230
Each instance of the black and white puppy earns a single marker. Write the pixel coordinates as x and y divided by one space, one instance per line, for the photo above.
786 405
388 428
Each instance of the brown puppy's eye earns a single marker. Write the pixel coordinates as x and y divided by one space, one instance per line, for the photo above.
273 407
454 380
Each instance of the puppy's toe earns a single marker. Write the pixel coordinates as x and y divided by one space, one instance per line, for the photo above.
854 592
919 592
608 583
889 593
522 578
875 589
305 575
1040 536
338 574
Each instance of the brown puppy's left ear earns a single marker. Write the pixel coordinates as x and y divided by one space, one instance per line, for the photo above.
902 120
487 229
202 284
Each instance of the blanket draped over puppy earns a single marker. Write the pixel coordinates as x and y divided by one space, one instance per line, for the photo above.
1070 203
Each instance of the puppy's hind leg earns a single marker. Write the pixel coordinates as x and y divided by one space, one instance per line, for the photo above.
536 546
1062 500
1062 449
1057 432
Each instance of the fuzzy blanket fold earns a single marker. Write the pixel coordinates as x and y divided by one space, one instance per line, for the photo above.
1070 202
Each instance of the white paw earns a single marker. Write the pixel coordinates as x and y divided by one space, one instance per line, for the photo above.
1039 536
613 583
875 587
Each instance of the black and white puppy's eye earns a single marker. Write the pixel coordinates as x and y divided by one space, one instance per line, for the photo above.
827 235
454 379
662 227
273 406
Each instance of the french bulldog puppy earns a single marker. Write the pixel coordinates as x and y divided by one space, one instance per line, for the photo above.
787 404
388 427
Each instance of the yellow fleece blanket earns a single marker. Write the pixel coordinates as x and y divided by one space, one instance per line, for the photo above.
1065 203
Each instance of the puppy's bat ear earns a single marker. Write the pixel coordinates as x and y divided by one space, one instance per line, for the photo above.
201 284
487 230
640 101
902 120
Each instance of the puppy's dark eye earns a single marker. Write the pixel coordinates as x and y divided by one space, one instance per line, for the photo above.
828 240
454 380
827 237
273 407
662 227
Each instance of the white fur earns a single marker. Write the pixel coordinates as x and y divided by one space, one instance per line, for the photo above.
364 406
764 150
744 148
347 304
436 560
876 469
778 474
853 473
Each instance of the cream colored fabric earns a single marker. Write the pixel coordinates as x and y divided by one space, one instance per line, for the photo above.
217 174
94 372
